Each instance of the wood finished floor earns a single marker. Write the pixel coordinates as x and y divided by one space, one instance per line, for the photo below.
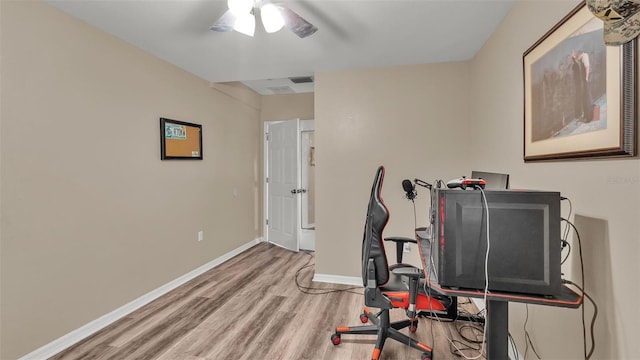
250 308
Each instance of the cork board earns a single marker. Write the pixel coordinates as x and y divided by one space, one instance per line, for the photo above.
180 140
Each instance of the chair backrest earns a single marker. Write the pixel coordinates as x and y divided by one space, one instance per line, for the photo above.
372 242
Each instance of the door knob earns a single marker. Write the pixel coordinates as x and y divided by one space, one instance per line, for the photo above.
294 191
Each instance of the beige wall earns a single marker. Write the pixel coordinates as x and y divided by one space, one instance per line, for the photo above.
414 120
605 196
287 107
90 217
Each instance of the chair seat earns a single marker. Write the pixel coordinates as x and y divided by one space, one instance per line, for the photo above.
397 290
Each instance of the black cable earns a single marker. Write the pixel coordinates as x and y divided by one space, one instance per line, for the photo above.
320 291
593 319
527 338
568 252
460 327
468 301
470 344
584 326
565 234
514 348
457 351
566 229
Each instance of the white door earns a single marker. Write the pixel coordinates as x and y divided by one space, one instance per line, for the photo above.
283 184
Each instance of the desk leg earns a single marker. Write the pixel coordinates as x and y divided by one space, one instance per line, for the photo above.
497 329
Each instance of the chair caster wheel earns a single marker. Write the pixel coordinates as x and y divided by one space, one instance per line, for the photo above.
364 318
425 357
413 328
335 339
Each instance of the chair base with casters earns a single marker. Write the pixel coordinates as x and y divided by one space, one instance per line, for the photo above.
384 329
396 294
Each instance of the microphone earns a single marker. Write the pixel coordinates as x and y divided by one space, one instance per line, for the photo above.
409 189
422 183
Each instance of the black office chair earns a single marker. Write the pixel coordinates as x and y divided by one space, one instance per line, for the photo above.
385 289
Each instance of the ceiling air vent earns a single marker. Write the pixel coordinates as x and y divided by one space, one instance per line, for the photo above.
301 79
278 90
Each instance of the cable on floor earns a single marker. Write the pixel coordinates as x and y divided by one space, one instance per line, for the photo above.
310 290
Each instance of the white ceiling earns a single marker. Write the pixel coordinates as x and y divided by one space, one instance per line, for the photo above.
352 34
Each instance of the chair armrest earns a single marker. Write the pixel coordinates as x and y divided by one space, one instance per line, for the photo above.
410 271
400 241
414 274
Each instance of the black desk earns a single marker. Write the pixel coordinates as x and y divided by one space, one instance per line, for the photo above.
497 307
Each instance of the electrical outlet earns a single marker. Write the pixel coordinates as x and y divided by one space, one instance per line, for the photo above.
200 235
407 247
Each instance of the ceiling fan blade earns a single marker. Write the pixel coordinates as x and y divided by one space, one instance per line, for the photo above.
296 23
225 22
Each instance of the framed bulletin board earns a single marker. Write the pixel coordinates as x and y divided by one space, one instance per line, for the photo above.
180 140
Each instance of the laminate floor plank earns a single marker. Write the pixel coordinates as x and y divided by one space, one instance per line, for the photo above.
250 308
269 336
93 343
155 313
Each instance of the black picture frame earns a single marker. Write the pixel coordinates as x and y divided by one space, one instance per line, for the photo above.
180 140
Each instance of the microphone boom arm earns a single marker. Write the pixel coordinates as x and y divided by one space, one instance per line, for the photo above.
424 184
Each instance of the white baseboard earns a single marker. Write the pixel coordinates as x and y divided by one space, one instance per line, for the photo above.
86 330
338 279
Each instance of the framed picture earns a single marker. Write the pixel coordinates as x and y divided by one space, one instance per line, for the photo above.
579 95
180 140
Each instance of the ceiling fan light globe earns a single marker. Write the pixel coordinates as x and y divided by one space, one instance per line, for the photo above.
245 24
240 7
272 19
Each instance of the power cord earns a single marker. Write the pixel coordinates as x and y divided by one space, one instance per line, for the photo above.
319 291
593 320
567 228
568 252
587 355
565 234
527 338
460 327
514 348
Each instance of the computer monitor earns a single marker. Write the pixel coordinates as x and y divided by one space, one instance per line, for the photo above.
495 181
524 234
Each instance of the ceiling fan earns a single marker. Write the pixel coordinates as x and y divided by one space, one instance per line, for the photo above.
241 17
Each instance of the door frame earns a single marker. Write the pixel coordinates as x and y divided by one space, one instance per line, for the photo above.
306 237
265 184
